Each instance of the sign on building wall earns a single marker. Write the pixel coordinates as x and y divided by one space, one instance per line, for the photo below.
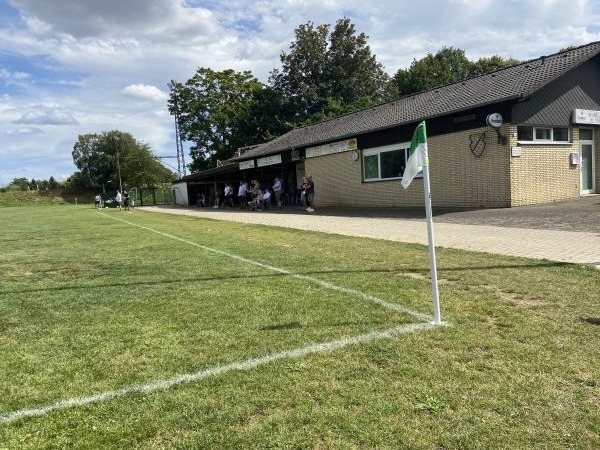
586 116
246 164
268 160
335 147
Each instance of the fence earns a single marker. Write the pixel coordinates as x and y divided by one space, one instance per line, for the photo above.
152 196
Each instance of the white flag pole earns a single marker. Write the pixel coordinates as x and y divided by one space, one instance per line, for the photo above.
432 264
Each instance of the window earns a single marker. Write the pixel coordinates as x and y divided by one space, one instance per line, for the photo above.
545 134
385 163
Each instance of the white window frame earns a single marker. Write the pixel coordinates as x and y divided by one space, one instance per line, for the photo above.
536 128
378 151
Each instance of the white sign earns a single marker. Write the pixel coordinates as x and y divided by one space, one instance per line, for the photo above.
268 160
586 116
515 152
494 120
247 164
335 147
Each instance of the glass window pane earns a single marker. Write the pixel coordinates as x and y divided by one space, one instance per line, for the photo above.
543 134
560 134
585 134
371 167
392 164
525 133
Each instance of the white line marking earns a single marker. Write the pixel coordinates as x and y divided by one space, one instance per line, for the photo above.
325 284
217 370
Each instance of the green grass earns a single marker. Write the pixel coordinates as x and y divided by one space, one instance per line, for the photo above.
29 198
93 302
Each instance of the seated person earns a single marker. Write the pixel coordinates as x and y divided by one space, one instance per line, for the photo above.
256 202
266 198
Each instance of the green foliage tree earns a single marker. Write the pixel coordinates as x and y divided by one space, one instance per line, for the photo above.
449 65
491 64
267 117
21 184
355 78
53 184
115 157
327 74
210 108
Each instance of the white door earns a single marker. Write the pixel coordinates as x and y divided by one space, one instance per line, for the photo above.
586 158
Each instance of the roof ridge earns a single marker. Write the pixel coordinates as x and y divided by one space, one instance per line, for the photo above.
507 83
442 86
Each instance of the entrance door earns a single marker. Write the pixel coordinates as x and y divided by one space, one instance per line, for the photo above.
586 157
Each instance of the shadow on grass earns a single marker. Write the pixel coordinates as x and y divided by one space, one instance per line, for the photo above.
591 320
201 279
281 326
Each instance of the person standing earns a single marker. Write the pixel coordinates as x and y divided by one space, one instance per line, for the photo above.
277 191
309 192
242 194
98 200
228 195
119 199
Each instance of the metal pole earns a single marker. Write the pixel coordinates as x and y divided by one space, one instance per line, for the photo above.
119 171
432 264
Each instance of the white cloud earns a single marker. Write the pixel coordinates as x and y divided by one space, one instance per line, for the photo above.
46 115
24 130
146 92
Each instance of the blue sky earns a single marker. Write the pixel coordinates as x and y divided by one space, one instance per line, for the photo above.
71 67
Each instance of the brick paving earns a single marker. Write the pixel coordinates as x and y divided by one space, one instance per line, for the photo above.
566 231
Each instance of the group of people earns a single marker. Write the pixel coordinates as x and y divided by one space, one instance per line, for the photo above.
254 196
257 197
123 201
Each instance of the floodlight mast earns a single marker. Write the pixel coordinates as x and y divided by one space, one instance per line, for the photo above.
178 140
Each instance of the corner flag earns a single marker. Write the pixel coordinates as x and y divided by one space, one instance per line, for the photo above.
418 153
417 161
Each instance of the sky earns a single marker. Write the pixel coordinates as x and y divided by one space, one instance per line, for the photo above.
73 67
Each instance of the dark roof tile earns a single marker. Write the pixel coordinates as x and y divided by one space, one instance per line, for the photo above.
509 83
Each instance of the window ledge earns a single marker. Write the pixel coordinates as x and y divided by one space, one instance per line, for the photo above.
544 143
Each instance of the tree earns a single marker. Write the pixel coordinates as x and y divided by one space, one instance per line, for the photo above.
268 116
115 157
449 65
327 74
491 64
21 184
52 184
355 78
210 108
92 160
302 78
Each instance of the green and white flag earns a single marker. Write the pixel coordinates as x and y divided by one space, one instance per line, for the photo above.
419 160
417 157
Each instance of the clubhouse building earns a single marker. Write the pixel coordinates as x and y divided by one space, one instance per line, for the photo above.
521 135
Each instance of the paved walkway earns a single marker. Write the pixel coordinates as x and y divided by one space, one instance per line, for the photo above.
514 231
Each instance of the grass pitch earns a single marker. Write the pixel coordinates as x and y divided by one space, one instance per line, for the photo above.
141 330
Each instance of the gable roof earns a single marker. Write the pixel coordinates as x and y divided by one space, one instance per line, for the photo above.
505 84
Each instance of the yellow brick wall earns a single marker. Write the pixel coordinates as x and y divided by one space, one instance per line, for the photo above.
458 178
465 180
543 173
597 158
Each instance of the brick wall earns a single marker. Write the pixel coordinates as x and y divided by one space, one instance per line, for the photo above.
597 157
543 173
458 178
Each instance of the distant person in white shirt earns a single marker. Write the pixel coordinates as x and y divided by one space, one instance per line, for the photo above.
277 191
